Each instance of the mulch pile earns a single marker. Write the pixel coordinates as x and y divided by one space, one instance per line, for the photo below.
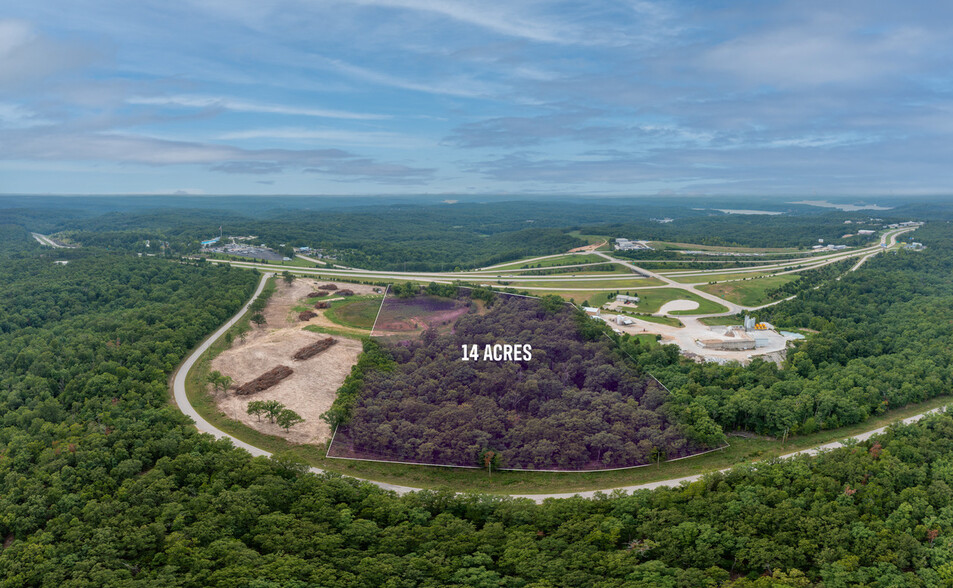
265 381
322 305
346 293
309 351
317 294
328 287
307 315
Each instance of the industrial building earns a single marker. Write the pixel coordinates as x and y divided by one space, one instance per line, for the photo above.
626 299
627 245
732 340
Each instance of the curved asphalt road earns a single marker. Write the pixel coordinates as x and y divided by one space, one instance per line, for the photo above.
182 400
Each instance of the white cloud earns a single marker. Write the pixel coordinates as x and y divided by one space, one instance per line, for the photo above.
459 86
499 18
27 56
372 138
237 105
826 52
15 116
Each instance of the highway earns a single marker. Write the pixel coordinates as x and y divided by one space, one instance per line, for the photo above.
44 240
488 276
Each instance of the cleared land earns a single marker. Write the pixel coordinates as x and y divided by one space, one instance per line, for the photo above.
309 391
749 292
312 387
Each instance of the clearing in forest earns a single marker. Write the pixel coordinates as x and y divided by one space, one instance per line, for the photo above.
311 389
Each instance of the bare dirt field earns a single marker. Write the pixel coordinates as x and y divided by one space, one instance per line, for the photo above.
280 310
313 386
592 247
309 391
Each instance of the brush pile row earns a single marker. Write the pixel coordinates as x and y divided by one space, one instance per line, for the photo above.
265 381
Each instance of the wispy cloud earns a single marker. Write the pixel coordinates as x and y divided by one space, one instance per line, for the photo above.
337 136
825 50
130 149
460 86
27 56
238 105
496 17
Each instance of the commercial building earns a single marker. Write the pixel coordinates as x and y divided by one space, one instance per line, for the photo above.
627 245
731 341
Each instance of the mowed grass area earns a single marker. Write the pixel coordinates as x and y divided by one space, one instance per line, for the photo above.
652 300
357 313
750 292
721 321
665 245
705 278
660 320
569 259
593 239
587 270
616 284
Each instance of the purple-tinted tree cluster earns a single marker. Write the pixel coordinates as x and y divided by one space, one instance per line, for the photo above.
574 405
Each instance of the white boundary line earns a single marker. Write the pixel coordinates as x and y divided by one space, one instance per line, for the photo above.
446 465
379 309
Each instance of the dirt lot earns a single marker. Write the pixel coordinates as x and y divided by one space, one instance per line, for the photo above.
312 387
280 310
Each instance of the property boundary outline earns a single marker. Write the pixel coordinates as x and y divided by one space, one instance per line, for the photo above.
328 455
467 467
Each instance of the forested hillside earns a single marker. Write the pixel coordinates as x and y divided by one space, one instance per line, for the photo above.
883 342
391 235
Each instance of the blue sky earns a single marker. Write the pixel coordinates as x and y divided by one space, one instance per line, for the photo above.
418 96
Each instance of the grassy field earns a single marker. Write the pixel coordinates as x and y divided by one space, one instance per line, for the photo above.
593 239
586 270
749 292
720 321
623 284
661 320
552 261
652 300
705 278
664 245
358 312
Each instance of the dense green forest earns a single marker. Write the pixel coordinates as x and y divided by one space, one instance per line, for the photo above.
103 483
883 341
397 234
573 405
